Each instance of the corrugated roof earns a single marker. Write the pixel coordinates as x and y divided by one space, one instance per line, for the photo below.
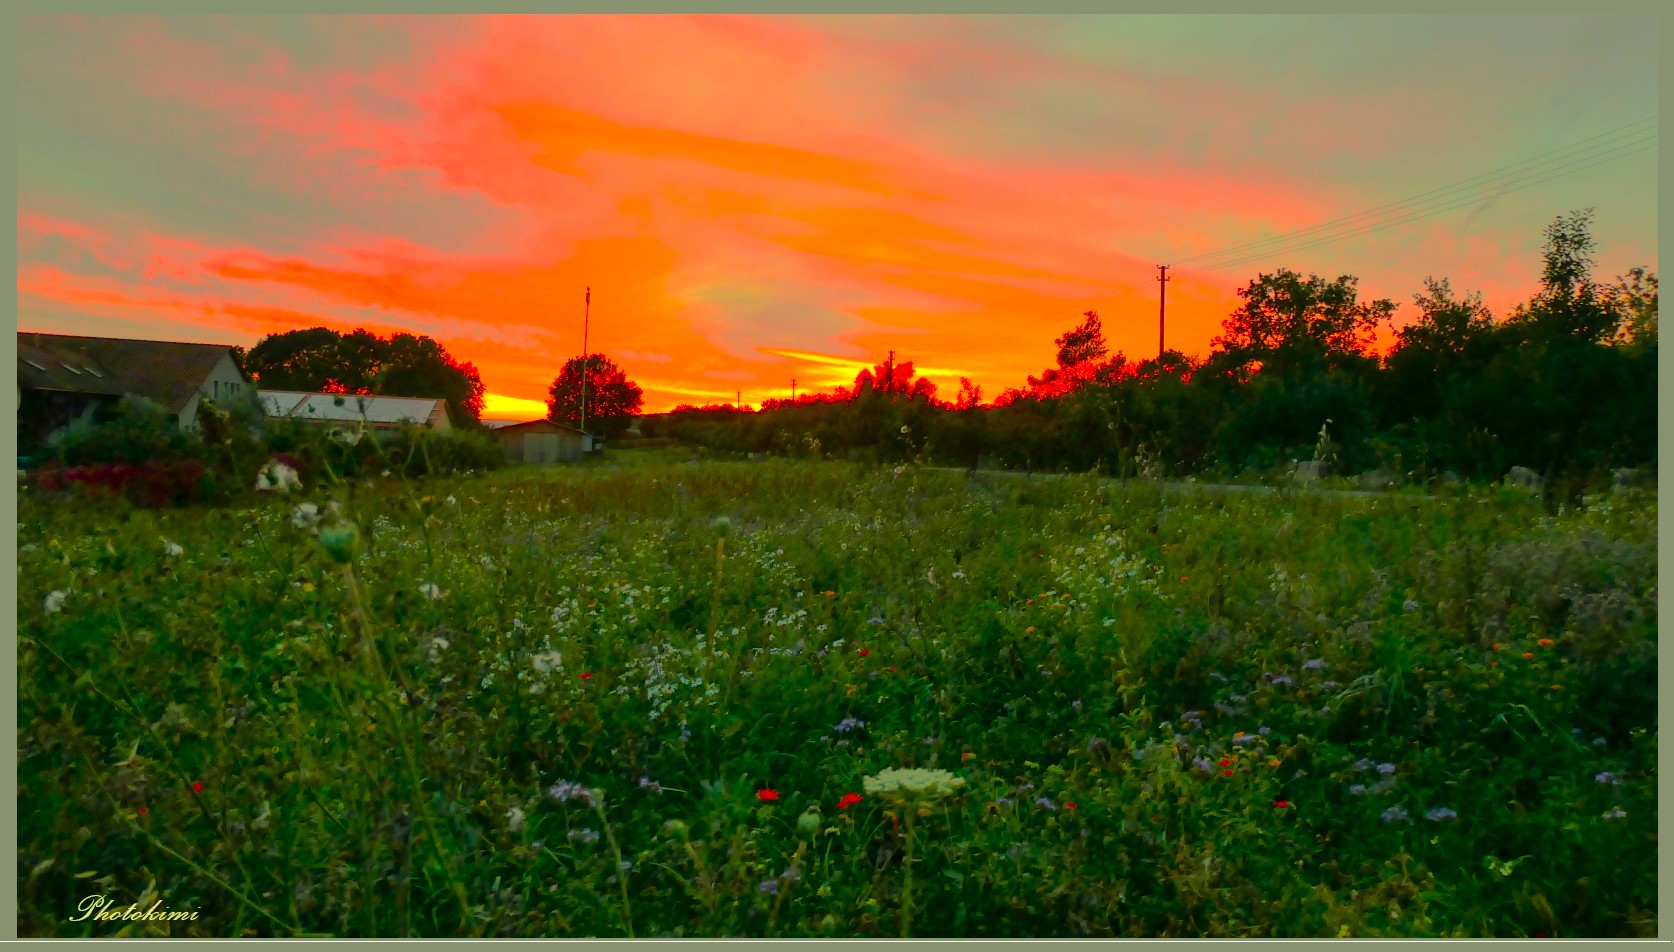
168 372
349 407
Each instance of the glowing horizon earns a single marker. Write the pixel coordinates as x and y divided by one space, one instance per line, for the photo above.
757 199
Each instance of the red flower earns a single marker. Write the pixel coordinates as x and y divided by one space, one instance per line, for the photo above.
767 795
197 787
1069 805
849 800
144 810
1228 773
892 667
1226 763
864 652
586 675
1281 804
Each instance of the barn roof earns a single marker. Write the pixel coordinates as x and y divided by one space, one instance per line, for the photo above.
168 372
348 407
544 426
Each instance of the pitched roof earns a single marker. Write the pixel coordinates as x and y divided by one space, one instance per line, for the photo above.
348 407
168 372
540 425
52 368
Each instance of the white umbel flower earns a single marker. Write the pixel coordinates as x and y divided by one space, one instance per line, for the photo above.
172 549
912 784
429 590
55 601
277 477
305 516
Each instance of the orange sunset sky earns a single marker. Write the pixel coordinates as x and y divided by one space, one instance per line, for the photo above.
754 200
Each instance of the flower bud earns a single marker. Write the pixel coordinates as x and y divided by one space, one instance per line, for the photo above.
339 540
675 828
808 823
722 526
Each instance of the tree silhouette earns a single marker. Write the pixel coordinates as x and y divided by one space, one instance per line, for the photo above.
1290 324
612 399
321 360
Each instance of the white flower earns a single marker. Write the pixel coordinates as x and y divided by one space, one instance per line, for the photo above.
514 818
277 477
429 590
305 516
55 601
172 548
346 437
913 783
452 501
903 429
546 661
386 472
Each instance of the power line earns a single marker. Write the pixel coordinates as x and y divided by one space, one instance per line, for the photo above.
1431 213
1517 168
1573 158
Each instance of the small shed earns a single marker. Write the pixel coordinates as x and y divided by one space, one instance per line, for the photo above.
542 441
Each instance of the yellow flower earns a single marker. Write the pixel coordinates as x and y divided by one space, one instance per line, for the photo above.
1031 630
967 757
308 586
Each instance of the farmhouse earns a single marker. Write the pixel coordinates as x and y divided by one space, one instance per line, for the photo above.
377 412
541 441
64 381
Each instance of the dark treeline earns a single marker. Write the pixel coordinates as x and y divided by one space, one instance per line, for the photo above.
1564 385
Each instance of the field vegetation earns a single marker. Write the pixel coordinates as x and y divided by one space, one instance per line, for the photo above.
653 696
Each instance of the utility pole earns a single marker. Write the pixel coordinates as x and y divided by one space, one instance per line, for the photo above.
889 370
586 313
1162 303
738 400
793 389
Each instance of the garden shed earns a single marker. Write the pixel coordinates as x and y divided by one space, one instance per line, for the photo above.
542 441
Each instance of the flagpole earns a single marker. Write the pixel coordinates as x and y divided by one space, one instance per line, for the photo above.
587 307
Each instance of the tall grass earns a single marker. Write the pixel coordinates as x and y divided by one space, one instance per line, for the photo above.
570 702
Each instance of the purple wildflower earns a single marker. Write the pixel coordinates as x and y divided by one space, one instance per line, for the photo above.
1394 814
566 791
1441 813
849 724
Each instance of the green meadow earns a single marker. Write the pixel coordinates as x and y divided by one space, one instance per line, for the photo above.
644 696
